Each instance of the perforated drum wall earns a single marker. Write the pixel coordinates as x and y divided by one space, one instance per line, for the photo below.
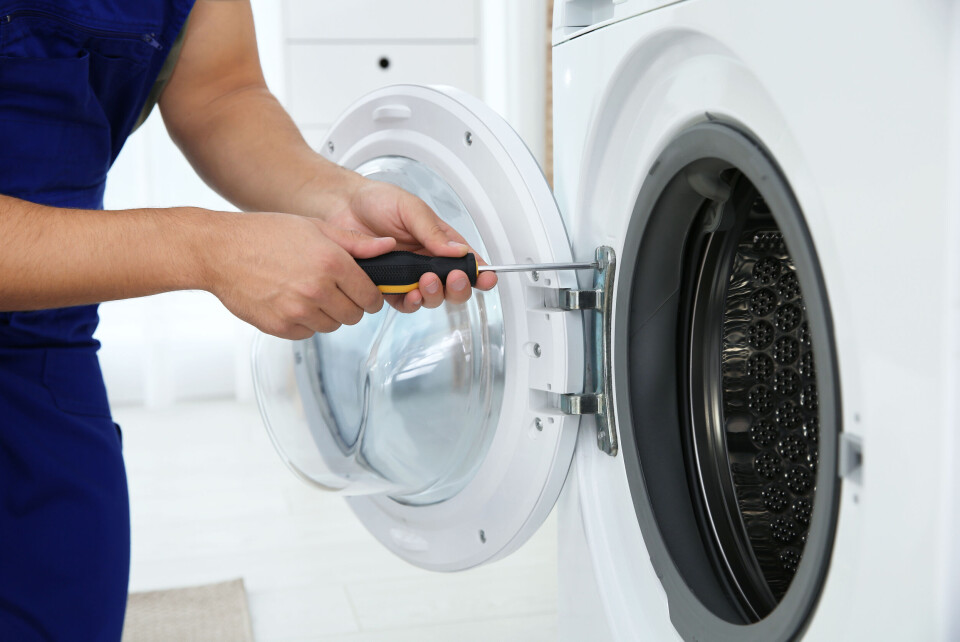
769 402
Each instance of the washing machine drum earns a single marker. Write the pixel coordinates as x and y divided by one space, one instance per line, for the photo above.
732 461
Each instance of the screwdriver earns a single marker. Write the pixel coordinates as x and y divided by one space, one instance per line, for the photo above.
400 272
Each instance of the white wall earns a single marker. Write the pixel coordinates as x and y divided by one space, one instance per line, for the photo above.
514 44
185 345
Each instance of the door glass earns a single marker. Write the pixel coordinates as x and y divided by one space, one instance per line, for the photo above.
404 405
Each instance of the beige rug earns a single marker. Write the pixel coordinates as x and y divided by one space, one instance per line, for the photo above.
194 614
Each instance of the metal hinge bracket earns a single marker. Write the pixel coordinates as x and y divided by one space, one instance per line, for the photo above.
597 398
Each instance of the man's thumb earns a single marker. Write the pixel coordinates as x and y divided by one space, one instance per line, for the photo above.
360 245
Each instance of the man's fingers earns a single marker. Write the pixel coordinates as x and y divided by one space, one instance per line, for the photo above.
431 290
320 321
486 281
406 303
357 244
429 229
458 287
413 301
431 293
338 307
357 286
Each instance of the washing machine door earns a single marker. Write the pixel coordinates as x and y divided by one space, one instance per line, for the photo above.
442 426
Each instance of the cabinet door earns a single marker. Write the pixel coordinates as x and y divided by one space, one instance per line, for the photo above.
442 426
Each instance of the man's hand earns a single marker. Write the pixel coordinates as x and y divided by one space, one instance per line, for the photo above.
291 276
382 209
240 140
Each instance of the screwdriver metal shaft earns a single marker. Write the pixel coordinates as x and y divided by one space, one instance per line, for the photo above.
538 267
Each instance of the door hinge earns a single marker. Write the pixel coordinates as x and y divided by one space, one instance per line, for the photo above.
597 398
585 404
569 300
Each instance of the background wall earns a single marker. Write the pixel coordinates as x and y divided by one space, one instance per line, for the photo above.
185 345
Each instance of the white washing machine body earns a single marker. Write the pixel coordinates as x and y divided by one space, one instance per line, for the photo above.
857 105
690 138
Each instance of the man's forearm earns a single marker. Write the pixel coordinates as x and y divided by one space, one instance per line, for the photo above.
233 131
55 257
244 145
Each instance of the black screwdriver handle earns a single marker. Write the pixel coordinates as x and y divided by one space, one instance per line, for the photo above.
399 272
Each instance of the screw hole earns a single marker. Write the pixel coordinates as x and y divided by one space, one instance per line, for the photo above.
536 350
468 139
483 537
538 423
384 63
330 146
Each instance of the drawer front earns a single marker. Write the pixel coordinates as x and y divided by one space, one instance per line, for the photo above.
325 79
380 19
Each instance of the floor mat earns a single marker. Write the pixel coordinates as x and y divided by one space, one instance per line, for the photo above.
196 613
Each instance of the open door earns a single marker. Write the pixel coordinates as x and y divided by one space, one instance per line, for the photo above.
443 426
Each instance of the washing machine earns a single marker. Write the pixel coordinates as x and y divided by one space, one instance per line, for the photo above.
747 409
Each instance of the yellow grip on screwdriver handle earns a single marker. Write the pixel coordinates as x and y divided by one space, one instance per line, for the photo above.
400 272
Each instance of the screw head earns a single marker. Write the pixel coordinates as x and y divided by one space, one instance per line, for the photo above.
468 139
538 423
536 350
535 275
330 146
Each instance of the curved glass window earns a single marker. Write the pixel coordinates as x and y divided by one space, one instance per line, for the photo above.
404 405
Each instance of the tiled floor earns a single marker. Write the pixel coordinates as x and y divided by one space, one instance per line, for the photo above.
211 501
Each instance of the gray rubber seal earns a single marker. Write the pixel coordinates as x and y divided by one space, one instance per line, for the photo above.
702 605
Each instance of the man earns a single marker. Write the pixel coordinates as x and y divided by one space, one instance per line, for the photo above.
75 76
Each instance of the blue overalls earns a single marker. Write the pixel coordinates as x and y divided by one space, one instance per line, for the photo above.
74 75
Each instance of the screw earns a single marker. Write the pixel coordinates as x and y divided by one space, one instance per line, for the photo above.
538 423
468 139
536 350
602 435
483 537
535 275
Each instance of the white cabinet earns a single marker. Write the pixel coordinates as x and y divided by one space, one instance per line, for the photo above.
319 94
337 51
381 19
